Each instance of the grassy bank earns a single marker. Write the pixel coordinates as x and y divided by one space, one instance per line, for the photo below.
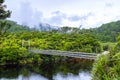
107 66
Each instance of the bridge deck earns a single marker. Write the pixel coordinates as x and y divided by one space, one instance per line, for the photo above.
66 53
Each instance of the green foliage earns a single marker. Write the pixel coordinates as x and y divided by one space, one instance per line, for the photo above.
117 47
11 52
12 49
3 13
57 41
18 28
99 69
4 25
107 66
108 46
105 33
108 32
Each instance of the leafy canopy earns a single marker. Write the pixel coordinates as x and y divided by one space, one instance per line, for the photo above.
4 25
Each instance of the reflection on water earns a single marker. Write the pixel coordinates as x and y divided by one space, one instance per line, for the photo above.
30 77
70 76
48 71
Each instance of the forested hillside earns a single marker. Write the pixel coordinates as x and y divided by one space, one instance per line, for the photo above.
65 39
108 32
22 28
17 27
105 33
16 42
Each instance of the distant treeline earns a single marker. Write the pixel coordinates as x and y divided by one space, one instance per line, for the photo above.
64 38
105 33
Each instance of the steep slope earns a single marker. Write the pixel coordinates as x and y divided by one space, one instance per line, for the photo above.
18 28
108 32
21 28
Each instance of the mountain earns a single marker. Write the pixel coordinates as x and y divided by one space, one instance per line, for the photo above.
44 27
20 28
17 27
108 32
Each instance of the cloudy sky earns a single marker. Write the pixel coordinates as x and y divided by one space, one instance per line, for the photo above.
88 13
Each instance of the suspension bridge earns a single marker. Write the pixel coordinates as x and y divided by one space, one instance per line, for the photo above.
81 55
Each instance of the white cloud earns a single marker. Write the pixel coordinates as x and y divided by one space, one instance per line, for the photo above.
89 13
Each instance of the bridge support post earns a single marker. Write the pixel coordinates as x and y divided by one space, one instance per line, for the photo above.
23 43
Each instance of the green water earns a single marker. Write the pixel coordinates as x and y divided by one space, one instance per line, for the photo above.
48 71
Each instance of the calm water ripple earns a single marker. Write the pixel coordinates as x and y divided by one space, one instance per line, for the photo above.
48 71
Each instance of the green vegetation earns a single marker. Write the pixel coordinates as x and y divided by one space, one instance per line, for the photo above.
17 28
108 46
13 51
106 66
108 32
4 25
46 69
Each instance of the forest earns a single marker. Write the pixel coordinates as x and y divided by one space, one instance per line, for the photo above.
63 38
11 45
93 40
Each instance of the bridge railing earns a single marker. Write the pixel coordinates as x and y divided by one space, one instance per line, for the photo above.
66 53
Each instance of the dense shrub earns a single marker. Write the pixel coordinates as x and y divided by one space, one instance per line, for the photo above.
12 54
107 66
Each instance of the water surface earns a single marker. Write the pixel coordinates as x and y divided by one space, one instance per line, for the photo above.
48 71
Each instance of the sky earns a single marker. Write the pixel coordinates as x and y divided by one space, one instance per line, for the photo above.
73 13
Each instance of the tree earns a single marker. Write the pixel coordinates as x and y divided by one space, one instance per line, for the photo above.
65 29
4 25
3 12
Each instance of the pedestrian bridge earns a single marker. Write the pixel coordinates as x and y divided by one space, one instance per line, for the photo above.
81 55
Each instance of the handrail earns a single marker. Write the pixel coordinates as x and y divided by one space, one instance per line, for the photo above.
66 53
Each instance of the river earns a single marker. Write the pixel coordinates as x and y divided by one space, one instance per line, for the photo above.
67 70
